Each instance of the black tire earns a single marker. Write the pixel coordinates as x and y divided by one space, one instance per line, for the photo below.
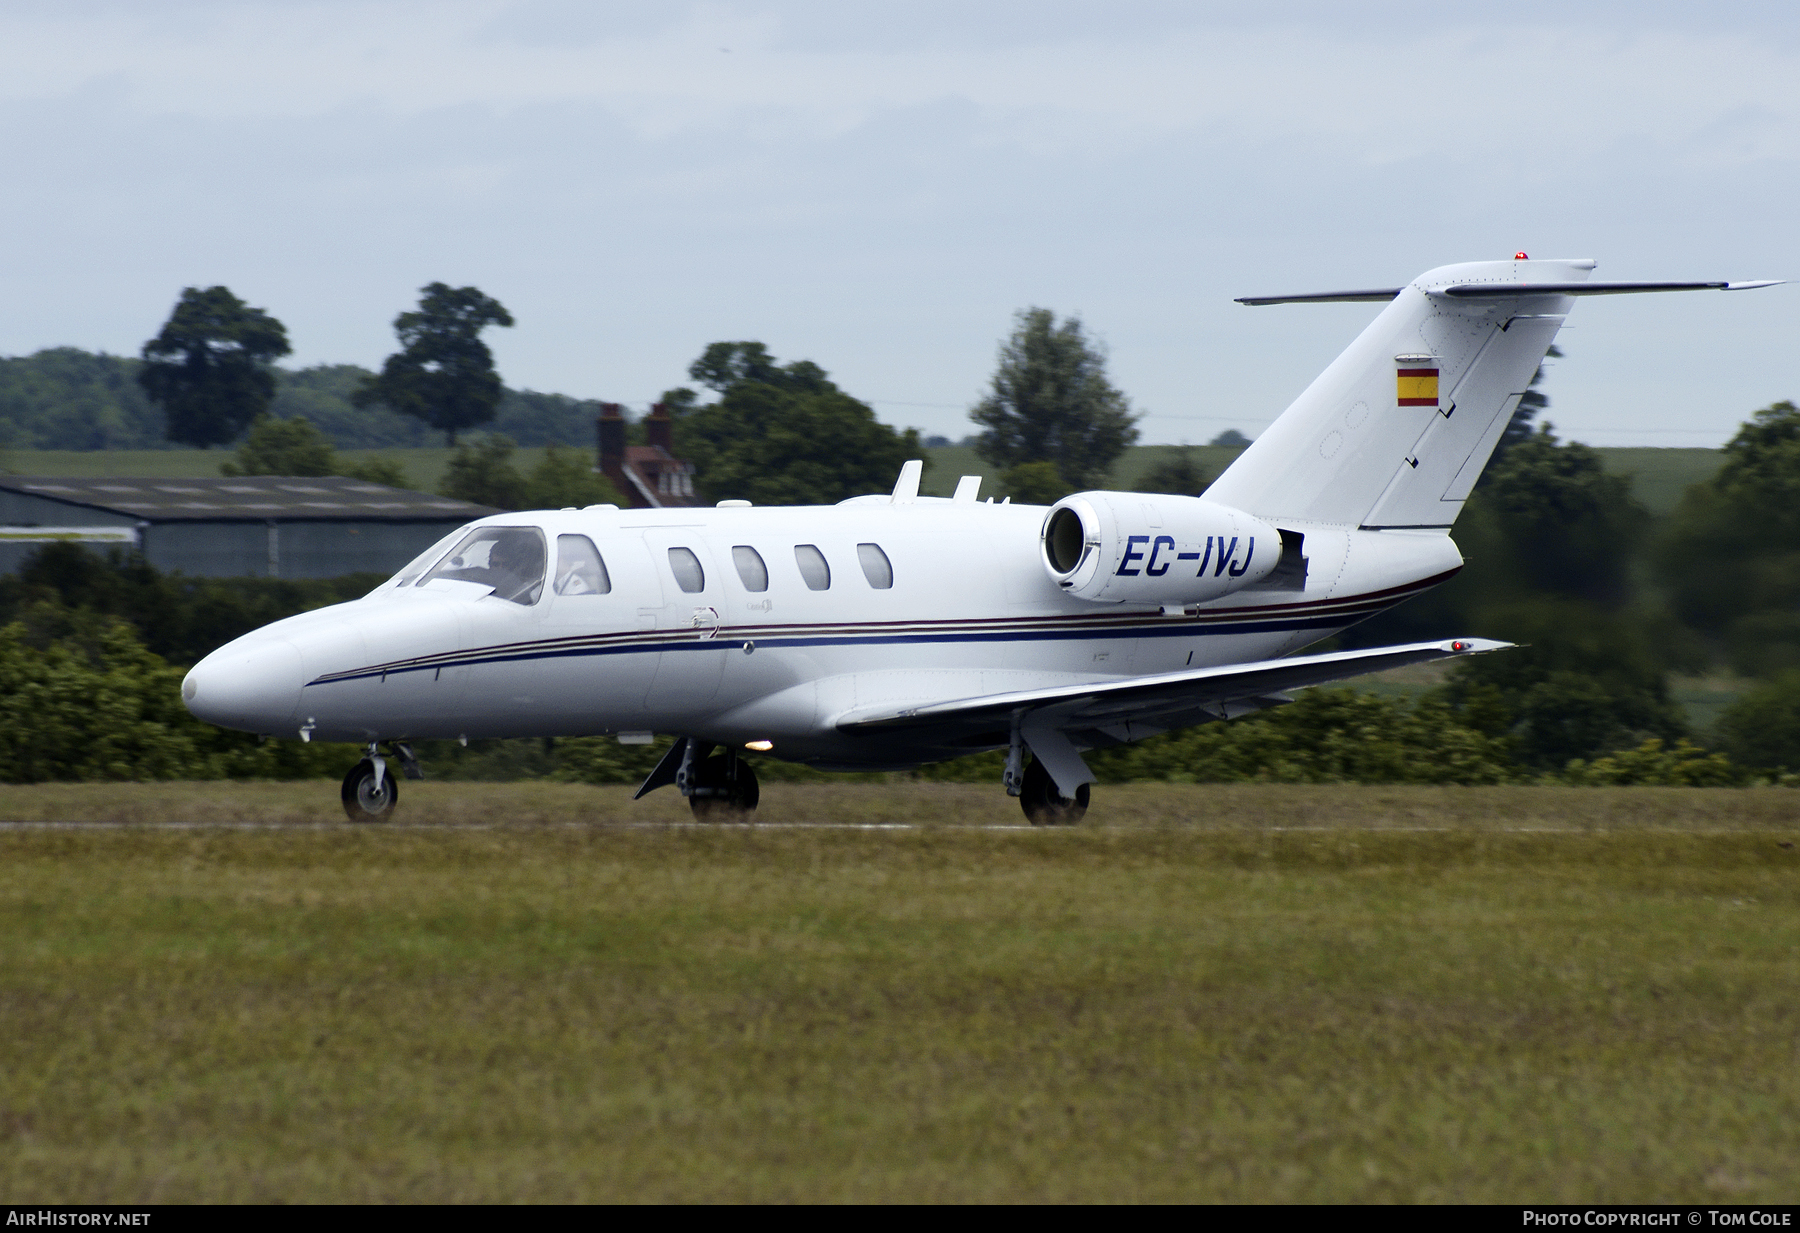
1042 804
725 790
362 803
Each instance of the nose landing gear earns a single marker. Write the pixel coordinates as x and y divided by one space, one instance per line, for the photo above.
370 792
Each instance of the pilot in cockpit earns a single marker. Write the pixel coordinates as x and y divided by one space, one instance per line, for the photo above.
516 566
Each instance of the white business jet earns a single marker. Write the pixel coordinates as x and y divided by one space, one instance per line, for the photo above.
894 630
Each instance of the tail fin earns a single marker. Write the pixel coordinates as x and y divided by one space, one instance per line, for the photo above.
1396 431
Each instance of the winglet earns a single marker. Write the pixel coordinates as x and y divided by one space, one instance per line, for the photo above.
906 488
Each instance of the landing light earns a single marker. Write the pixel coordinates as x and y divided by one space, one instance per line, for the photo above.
760 746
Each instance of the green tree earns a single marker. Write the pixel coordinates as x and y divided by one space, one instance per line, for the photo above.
783 434
179 618
295 447
443 373
1330 734
1050 401
1179 473
211 367
1231 438
98 706
1568 527
566 477
1762 728
283 447
323 393
1034 483
483 472
1583 681
64 398
1730 556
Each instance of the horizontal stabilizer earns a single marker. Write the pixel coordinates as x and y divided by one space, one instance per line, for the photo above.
1503 291
1165 695
1323 297
1509 291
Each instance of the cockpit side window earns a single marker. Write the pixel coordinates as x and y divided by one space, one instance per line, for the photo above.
750 568
813 567
509 559
579 567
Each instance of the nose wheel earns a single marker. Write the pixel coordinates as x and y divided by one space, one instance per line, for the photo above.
370 793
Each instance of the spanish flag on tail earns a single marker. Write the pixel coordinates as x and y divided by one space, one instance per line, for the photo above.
1416 385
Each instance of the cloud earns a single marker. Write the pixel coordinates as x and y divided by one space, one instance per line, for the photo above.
879 189
1528 94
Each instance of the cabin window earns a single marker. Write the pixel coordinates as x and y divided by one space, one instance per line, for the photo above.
813 567
509 559
579 569
686 568
750 568
876 566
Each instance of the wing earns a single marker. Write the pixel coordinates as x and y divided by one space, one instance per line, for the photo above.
1058 721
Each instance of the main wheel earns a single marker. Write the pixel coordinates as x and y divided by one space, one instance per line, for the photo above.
363 802
1042 804
725 790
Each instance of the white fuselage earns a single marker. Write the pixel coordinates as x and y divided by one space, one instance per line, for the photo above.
971 611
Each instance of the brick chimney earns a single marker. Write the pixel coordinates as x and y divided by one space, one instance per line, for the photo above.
657 429
610 428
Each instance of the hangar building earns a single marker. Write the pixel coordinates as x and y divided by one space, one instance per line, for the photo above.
268 525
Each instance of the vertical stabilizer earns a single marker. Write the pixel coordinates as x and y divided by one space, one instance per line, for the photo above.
1396 431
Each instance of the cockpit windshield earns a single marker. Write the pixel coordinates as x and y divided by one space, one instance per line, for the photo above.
418 564
509 559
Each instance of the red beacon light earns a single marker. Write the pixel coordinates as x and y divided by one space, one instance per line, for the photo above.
1521 256
1459 646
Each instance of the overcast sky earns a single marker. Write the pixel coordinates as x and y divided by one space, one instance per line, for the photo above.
878 188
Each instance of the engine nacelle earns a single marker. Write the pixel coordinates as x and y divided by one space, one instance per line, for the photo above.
1144 548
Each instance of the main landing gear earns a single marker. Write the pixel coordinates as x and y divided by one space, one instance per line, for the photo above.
370 792
720 787
1036 789
1043 805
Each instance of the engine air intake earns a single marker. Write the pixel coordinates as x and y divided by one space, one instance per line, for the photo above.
1146 548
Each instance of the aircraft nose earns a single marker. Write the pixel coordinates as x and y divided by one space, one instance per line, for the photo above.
251 686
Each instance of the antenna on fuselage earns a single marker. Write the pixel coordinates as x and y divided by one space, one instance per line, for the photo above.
906 488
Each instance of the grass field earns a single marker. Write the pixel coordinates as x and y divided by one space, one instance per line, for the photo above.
1226 993
424 467
1659 475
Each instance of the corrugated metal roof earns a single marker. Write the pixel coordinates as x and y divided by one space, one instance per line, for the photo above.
254 497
